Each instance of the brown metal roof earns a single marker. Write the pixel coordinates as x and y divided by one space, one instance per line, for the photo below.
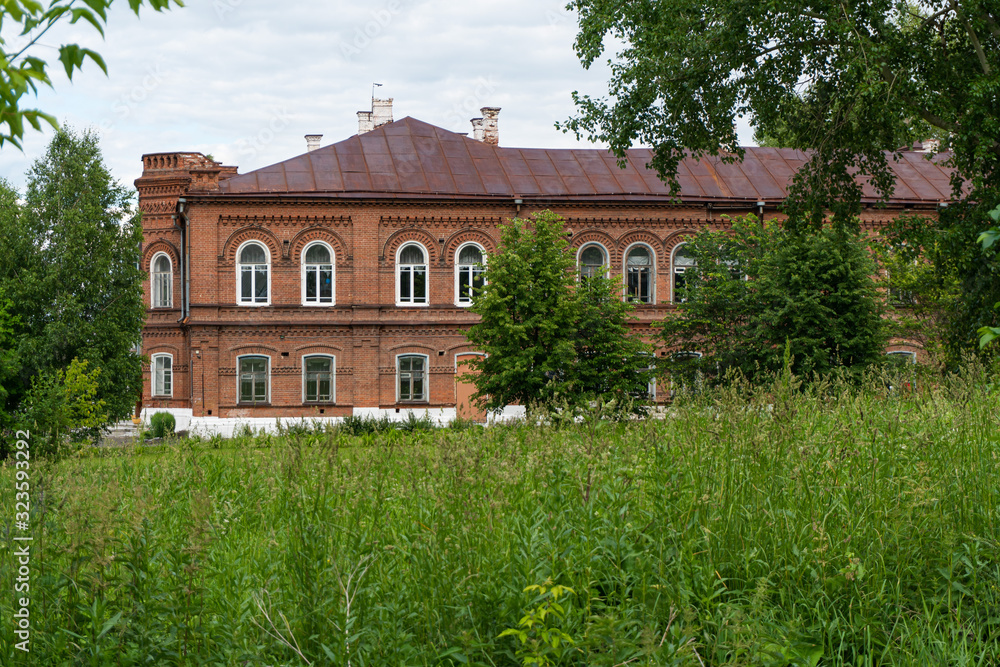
410 158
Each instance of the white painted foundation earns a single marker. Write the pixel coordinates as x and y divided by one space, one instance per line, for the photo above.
227 427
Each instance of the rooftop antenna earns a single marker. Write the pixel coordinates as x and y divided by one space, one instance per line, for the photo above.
373 90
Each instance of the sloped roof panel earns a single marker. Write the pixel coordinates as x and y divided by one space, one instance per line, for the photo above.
413 158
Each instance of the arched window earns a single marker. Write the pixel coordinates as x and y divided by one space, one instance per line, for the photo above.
163 281
902 357
253 378
318 372
592 261
317 275
639 274
683 260
469 274
163 375
411 373
411 275
253 274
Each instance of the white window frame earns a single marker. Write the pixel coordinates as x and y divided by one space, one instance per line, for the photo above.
239 274
239 379
333 379
427 277
899 353
652 272
458 271
427 378
674 271
333 275
579 255
154 371
154 290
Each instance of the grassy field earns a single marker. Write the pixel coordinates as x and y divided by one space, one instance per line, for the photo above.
748 527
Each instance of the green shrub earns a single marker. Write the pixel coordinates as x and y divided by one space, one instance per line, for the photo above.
162 424
414 423
354 425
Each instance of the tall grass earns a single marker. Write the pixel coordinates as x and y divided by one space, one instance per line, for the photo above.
771 525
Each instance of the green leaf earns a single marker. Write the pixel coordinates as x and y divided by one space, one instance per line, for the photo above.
88 16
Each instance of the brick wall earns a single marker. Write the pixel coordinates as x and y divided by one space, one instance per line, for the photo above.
364 330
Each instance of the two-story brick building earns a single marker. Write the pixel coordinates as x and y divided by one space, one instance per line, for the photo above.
337 282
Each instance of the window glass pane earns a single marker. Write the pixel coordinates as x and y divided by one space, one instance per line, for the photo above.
311 278
325 385
316 365
253 254
470 255
464 281
633 283
162 264
418 388
419 285
166 366
679 286
311 389
326 284
246 284
639 256
317 254
404 386
411 254
162 290
260 286
405 287
246 388
683 258
260 389
592 256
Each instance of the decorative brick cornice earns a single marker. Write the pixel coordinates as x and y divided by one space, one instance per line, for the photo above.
285 220
157 206
439 222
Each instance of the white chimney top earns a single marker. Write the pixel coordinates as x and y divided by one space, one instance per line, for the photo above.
485 129
381 114
312 141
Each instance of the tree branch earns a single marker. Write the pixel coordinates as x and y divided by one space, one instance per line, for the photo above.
994 30
974 38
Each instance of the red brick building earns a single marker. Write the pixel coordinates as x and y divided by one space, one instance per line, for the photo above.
336 282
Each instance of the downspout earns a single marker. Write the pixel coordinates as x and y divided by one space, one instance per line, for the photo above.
185 258
186 303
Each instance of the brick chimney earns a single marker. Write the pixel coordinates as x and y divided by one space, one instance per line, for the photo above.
485 129
312 141
381 114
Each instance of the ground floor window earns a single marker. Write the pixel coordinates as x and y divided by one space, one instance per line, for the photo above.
319 379
163 371
412 373
253 379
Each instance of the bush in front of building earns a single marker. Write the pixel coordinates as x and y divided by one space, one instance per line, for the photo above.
162 424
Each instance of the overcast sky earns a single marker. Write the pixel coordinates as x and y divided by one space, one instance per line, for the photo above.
244 80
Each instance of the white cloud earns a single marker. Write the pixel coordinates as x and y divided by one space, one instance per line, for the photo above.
244 80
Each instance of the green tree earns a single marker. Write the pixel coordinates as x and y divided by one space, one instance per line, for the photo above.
69 265
62 407
612 363
544 336
758 290
8 369
849 80
22 69
527 324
